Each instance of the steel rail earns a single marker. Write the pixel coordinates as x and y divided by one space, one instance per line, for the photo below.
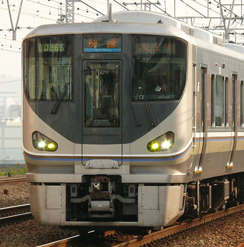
15 209
17 217
178 228
69 242
66 242
141 240
12 180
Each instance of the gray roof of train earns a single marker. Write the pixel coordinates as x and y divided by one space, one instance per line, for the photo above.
131 28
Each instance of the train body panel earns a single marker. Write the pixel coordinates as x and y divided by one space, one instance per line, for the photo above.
130 124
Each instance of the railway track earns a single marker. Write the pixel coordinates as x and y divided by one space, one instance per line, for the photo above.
14 214
12 180
147 239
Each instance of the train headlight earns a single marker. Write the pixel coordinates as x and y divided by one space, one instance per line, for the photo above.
162 143
43 143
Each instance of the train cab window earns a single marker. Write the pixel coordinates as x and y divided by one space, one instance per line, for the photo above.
159 68
47 68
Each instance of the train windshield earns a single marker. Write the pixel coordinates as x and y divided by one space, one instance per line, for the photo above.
159 68
47 68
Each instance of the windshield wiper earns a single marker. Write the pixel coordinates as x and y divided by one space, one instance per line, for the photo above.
149 110
137 124
61 97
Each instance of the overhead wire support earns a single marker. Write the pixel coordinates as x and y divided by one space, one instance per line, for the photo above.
159 8
70 11
226 28
14 29
146 4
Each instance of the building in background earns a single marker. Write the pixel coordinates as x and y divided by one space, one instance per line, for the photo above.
10 122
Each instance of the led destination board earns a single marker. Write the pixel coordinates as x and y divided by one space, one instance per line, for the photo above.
102 43
48 47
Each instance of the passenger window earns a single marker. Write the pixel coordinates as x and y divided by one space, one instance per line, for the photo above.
234 80
242 104
212 100
226 101
219 101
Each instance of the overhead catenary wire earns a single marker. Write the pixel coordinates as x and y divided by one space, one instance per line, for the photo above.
91 7
120 4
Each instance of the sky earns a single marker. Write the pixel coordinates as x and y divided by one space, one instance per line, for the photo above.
39 12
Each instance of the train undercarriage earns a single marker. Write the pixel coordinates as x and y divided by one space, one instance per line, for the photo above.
107 199
211 195
104 201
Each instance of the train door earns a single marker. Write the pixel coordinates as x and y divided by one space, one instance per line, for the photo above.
102 128
201 127
234 119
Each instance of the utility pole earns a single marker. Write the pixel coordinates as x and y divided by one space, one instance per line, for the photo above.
70 6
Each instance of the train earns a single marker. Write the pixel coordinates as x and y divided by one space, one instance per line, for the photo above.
131 121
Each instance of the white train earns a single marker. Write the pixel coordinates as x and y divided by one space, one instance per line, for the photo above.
131 123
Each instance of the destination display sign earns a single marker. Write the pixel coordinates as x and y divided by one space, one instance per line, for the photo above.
155 45
102 43
53 45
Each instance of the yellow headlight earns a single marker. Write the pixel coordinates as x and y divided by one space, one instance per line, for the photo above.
155 146
43 143
163 143
50 146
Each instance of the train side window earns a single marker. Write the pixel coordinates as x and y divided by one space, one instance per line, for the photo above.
242 104
212 100
234 80
219 101
226 101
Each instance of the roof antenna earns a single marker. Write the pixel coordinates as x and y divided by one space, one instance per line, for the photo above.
110 14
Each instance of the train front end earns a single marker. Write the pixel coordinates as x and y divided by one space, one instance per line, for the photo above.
106 124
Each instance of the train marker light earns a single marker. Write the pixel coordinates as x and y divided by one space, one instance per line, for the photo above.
163 143
155 145
43 143
50 145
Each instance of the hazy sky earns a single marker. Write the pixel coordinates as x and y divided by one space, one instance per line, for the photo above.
38 12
